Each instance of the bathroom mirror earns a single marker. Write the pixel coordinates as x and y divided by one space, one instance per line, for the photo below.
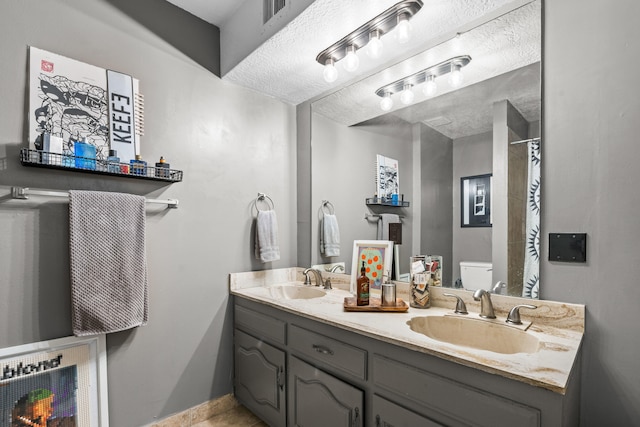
437 140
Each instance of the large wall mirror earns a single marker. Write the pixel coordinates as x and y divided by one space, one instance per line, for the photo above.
486 126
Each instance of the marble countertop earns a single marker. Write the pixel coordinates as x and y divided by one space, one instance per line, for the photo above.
559 327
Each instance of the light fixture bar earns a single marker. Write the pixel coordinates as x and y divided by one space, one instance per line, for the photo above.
384 23
421 76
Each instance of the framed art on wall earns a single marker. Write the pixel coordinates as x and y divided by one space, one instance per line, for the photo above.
61 382
475 201
377 256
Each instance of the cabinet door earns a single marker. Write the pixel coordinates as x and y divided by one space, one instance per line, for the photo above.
387 414
317 399
260 378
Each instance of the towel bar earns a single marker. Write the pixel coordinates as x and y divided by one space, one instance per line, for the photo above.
24 193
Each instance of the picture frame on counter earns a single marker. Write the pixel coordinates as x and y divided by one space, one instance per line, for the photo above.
377 256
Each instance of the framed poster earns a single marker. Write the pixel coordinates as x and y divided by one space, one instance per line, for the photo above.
377 256
61 382
475 203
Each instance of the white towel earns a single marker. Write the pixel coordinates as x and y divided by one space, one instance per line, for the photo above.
108 261
330 235
266 247
383 225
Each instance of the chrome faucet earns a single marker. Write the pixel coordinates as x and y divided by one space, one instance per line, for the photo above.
337 267
486 307
318 276
498 287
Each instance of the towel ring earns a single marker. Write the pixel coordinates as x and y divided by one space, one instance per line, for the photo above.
327 204
266 199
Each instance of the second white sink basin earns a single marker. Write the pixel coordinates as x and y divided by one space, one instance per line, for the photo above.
296 292
475 333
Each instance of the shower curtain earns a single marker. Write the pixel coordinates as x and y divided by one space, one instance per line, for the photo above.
532 250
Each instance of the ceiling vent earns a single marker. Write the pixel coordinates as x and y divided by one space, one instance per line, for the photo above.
272 7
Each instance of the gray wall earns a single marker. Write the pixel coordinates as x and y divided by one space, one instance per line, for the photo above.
343 172
436 170
590 184
472 155
231 143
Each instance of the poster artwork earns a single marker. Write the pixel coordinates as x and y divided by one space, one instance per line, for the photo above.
387 180
46 389
68 99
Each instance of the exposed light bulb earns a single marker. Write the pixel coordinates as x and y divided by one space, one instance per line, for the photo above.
430 87
403 29
374 47
387 103
351 61
407 96
330 73
455 78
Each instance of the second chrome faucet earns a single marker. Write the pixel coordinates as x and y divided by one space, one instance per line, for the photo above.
486 307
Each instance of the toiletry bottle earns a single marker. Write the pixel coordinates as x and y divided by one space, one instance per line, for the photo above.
162 168
138 166
362 287
85 154
113 162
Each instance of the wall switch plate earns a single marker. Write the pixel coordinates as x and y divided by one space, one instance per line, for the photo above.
568 247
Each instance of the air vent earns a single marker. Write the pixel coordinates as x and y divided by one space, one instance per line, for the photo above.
272 7
437 121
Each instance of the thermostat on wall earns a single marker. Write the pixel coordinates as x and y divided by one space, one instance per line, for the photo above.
568 247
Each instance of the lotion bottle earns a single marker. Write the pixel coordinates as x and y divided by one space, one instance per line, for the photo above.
362 287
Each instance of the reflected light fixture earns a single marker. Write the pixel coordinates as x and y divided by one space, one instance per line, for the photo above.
407 96
368 35
430 86
427 76
387 103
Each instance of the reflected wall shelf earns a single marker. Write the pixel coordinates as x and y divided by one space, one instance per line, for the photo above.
43 159
384 201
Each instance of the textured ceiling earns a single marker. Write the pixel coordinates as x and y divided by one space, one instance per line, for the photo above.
501 36
285 67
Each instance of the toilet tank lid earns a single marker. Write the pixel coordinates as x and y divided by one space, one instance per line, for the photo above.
476 264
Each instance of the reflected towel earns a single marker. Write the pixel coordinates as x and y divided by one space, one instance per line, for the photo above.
108 261
330 235
383 225
266 247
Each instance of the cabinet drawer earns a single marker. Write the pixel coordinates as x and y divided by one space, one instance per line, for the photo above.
329 352
388 414
260 325
457 403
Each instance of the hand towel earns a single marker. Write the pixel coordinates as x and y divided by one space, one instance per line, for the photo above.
330 235
266 246
108 261
383 225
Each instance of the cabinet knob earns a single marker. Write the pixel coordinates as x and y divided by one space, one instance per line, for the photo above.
322 349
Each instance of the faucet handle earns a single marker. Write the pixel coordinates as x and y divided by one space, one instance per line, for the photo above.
461 308
307 279
327 284
514 313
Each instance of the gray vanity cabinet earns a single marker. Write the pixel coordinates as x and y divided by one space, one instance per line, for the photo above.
317 399
260 378
292 370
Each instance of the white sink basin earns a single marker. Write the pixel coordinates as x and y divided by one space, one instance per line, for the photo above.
475 333
295 292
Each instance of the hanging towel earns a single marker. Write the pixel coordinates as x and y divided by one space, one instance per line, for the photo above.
383 225
108 261
330 235
267 248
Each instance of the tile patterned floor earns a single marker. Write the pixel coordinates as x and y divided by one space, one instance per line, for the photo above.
235 417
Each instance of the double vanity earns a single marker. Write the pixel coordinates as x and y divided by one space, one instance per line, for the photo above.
302 360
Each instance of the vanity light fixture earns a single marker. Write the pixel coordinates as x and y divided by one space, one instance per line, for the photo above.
387 103
369 35
427 76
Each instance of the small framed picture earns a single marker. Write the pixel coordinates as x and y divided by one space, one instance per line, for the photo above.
377 256
475 201
61 382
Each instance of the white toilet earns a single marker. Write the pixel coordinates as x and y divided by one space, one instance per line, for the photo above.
476 275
